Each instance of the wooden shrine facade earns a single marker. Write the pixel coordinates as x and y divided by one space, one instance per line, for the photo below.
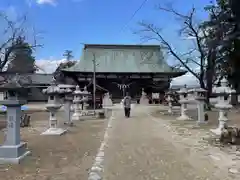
118 84
121 68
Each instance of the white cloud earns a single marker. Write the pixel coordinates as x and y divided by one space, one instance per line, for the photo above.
48 66
51 2
187 79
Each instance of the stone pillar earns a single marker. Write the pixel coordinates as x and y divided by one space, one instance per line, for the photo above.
200 98
68 98
13 150
67 110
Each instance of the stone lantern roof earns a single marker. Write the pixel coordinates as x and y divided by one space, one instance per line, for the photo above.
53 89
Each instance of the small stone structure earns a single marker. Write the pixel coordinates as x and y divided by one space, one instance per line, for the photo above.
144 99
183 101
106 102
200 99
68 98
13 150
53 105
223 105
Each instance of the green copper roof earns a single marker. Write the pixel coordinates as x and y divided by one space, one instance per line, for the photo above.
122 59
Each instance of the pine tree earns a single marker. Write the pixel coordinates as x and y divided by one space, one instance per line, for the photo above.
224 25
22 60
58 74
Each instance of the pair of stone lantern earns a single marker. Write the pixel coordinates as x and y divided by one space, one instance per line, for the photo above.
13 150
223 105
183 92
53 105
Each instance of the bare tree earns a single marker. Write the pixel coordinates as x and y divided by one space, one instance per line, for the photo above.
199 60
11 32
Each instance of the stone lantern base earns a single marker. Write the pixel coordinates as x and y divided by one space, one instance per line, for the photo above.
77 116
54 131
13 153
183 117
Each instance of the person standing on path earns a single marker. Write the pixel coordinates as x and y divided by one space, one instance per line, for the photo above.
127 105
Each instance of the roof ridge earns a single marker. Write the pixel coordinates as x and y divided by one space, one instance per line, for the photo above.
122 45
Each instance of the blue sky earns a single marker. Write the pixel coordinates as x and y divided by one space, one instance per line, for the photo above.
65 24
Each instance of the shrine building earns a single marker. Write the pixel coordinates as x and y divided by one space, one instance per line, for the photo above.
124 68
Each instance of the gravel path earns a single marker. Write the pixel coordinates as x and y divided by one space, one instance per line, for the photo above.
139 149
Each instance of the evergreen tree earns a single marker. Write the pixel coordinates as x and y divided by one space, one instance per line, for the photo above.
58 74
22 60
224 25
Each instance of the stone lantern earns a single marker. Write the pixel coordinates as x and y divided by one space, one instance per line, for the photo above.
53 105
183 101
223 105
13 150
85 95
77 100
200 97
170 101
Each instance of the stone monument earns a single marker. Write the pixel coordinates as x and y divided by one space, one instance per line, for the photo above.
223 105
144 99
68 98
200 98
13 150
183 101
53 105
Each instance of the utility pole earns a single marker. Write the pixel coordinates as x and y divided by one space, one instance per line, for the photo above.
68 55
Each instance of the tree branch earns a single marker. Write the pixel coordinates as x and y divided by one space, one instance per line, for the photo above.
150 28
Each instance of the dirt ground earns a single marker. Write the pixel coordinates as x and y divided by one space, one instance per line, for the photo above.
199 138
146 148
56 157
233 116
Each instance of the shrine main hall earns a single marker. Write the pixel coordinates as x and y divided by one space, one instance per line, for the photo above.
123 68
